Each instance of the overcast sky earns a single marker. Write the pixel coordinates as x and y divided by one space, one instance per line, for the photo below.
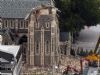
90 34
88 37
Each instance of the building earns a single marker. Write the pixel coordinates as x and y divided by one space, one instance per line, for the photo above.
37 50
10 60
43 36
12 16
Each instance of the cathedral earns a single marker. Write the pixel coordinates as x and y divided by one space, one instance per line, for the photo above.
43 33
33 25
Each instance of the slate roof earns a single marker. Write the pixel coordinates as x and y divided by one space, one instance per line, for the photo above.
19 8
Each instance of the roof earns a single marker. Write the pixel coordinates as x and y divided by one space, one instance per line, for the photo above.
11 49
19 8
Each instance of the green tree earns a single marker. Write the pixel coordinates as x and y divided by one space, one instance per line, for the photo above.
75 14
91 52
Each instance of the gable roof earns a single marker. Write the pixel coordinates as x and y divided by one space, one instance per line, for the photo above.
19 8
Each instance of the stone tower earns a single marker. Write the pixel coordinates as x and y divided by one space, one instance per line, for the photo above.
43 36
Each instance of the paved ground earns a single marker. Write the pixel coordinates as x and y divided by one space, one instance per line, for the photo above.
92 71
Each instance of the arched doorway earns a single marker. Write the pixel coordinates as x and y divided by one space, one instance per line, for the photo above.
22 40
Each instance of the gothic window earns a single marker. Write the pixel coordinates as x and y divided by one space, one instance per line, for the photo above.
18 24
37 47
5 23
26 25
8 23
11 23
50 11
21 24
47 46
47 24
36 24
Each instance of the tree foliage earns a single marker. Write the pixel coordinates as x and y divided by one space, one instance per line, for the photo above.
75 14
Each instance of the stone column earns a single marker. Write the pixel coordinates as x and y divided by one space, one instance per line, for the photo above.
16 24
31 40
42 46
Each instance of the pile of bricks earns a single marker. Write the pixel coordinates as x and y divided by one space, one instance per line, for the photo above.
72 61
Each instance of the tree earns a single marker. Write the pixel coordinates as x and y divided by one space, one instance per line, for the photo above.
72 52
75 14
91 52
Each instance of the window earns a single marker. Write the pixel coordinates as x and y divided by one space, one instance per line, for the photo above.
26 24
8 23
47 24
37 47
50 11
21 23
18 24
36 24
5 23
47 46
11 24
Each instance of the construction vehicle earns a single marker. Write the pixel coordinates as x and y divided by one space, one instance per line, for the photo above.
95 56
97 45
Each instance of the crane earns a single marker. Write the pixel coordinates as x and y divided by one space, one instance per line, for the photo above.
95 54
97 45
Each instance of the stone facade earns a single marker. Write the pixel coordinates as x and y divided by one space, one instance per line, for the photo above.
38 35
43 37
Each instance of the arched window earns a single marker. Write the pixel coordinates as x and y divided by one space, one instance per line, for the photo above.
11 24
23 39
47 47
21 24
37 47
47 24
36 24
6 23
27 22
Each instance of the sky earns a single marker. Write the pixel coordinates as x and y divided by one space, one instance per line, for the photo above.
88 37
90 34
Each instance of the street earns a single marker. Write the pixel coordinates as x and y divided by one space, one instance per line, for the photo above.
92 71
